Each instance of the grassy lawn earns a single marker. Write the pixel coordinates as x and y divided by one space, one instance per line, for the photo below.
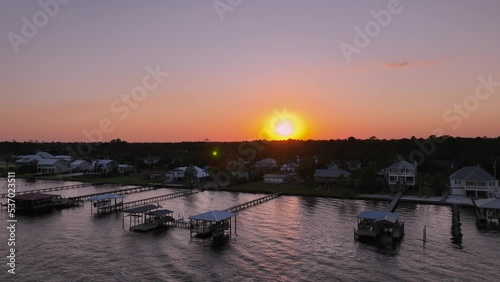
295 189
136 179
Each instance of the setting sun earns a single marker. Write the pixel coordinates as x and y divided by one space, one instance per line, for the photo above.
284 125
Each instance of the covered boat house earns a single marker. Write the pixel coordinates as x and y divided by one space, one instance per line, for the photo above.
36 201
147 217
487 210
106 203
379 224
214 223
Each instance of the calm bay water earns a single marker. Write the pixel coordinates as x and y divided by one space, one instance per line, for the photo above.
286 239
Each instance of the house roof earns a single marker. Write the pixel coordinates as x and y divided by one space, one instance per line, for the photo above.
379 216
44 155
273 175
402 165
488 203
79 162
141 209
105 161
29 158
472 173
214 216
106 197
35 196
331 172
49 161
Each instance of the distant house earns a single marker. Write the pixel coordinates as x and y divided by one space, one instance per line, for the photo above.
401 173
277 178
473 181
125 168
52 166
353 165
178 173
45 155
66 158
79 165
329 176
26 159
104 167
152 160
266 163
289 167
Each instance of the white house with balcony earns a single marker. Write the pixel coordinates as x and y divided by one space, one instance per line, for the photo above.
52 166
401 173
473 181
178 173
104 167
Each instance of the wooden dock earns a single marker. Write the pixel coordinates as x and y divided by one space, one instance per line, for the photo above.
160 198
50 189
117 192
253 203
394 203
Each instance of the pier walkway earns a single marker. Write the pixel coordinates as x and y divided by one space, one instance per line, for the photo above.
117 192
394 203
252 203
49 189
160 198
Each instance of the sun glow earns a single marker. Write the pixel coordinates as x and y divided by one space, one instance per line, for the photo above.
284 125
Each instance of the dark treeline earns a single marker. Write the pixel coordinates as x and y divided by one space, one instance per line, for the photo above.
427 152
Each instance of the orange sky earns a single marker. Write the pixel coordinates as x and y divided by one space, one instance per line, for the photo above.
228 78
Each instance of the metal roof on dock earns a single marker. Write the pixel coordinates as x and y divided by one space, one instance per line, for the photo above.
488 203
141 209
161 212
214 216
379 216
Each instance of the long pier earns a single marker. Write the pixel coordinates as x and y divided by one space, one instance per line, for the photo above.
160 198
392 206
116 192
253 203
50 189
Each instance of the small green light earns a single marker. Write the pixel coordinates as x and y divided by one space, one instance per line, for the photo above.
214 153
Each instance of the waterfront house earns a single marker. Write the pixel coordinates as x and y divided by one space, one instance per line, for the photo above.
52 166
125 168
79 165
266 163
277 178
104 167
473 181
178 174
401 173
329 176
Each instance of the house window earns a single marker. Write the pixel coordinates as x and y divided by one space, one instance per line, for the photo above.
481 184
469 183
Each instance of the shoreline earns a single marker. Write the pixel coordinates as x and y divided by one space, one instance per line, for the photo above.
265 188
